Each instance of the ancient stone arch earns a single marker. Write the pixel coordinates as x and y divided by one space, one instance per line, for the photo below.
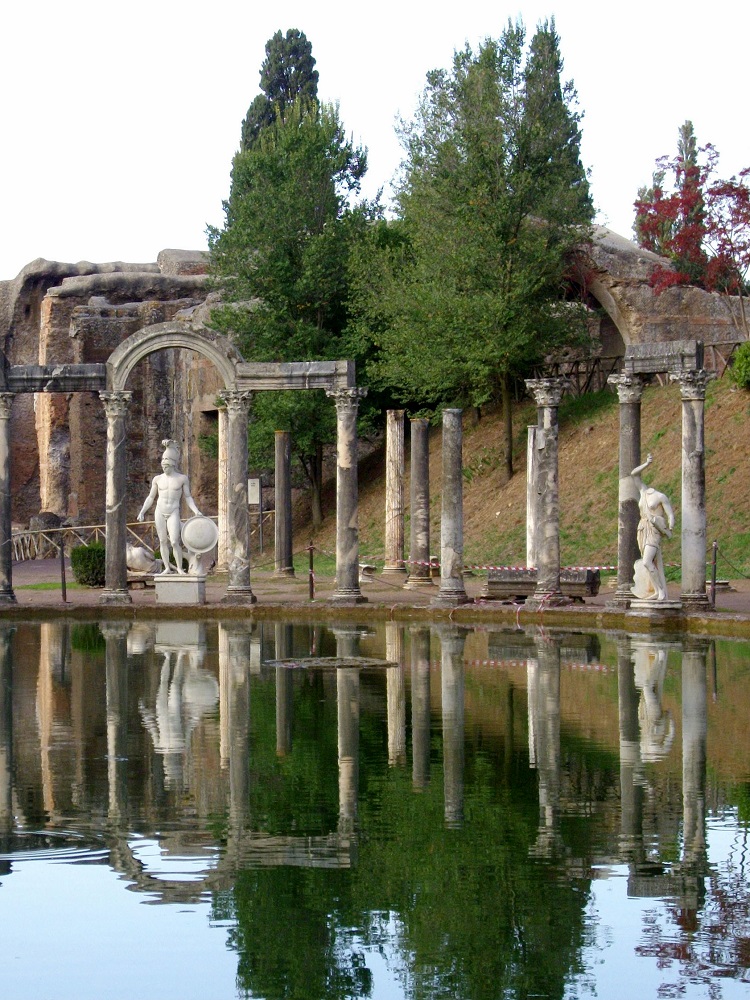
240 379
162 336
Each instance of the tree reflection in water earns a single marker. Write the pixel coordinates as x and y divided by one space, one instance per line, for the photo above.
449 828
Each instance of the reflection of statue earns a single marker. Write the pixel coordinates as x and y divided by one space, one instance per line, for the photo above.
657 725
656 523
170 487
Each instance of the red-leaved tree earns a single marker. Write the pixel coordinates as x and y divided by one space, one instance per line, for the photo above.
701 223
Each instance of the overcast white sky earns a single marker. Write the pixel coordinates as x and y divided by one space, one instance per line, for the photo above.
120 120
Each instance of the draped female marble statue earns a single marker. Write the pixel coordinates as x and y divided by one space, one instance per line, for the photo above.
168 489
656 523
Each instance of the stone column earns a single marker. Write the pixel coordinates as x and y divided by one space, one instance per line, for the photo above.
6 546
420 706
239 590
420 574
452 642
394 567
222 553
347 500
532 497
452 591
547 393
693 394
629 392
283 504
116 571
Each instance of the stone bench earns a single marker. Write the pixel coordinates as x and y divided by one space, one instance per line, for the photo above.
518 584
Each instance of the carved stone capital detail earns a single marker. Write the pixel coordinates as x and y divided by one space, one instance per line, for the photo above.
692 383
347 399
6 403
629 387
116 403
548 391
237 400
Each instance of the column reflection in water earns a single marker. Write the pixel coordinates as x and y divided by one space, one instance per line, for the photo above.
116 670
234 724
6 731
395 694
186 692
543 675
347 700
284 690
694 725
657 724
631 766
420 706
53 649
452 642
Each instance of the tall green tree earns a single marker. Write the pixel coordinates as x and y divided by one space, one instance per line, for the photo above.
288 72
282 263
467 288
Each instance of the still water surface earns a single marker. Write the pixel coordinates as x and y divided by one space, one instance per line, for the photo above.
202 811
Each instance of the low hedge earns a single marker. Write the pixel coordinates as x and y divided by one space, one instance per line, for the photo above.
87 563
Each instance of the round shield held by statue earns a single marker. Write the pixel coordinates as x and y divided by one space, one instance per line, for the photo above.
200 534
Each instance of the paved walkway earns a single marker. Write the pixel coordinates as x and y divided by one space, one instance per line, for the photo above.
37 586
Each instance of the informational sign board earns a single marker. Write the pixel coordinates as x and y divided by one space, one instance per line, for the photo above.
253 492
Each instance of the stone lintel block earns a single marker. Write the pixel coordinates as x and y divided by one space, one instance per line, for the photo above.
177 588
667 356
57 378
254 376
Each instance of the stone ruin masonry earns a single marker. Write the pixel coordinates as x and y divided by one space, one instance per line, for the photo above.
56 313
78 313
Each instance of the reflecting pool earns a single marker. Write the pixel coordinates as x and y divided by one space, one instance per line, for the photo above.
201 810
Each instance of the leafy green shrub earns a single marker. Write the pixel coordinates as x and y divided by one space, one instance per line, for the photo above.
87 563
740 370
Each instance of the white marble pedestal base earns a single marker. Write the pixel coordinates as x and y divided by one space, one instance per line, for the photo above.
180 588
656 607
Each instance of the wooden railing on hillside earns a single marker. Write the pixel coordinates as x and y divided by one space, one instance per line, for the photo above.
591 374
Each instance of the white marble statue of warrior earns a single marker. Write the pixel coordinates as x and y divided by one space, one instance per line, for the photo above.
168 489
656 523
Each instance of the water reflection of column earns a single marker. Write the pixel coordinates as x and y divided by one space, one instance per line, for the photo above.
347 698
284 690
694 724
631 783
395 694
234 708
544 723
116 668
452 642
6 730
420 706
347 642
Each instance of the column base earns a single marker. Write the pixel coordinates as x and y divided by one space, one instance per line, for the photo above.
285 573
239 595
8 597
344 597
696 602
115 597
418 582
540 602
621 599
450 597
